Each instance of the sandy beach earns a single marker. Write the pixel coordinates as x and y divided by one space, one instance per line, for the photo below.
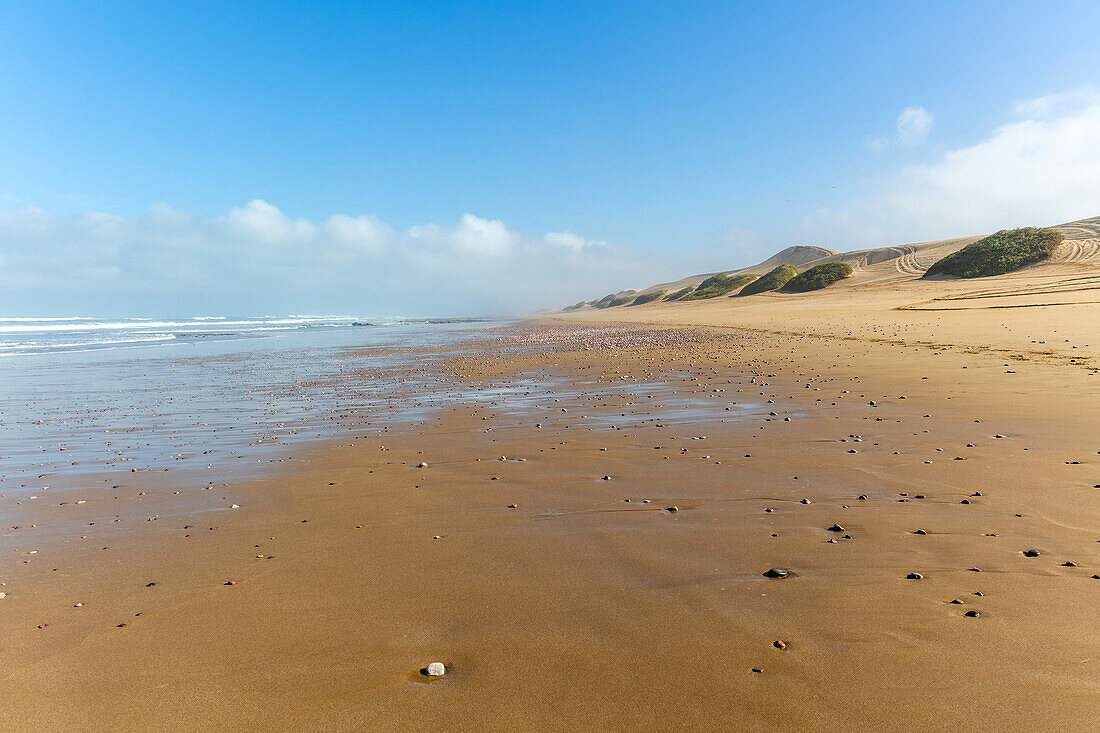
543 366
587 548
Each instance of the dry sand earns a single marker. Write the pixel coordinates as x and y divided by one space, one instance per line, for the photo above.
589 605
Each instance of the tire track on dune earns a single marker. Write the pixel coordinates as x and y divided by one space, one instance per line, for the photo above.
908 264
1085 251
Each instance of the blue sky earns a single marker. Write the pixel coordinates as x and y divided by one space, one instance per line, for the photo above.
666 138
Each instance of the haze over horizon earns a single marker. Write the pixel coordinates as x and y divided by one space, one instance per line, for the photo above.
492 159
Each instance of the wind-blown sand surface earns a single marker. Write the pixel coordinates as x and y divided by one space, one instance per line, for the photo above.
537 557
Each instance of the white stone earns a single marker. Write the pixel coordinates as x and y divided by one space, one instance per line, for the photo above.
435 669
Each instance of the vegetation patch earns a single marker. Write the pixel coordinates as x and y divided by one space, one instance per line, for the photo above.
604 302
773 280
719 284
1005 251
818 277
620 300
648 297
575 306
679 294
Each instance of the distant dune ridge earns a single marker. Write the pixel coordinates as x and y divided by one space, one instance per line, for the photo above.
1078 253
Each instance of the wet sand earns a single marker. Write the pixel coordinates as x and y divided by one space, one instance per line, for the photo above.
588 604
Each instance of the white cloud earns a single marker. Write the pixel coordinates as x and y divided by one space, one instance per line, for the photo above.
255 258
260 219
876 142
367 233
571 241
1058 103
914 124
1037 171
483 237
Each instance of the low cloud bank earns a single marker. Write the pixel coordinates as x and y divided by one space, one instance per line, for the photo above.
256 258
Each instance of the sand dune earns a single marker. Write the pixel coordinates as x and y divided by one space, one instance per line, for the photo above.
1072 268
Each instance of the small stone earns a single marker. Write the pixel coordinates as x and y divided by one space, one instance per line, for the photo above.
804 501
435 669
836 528
956 602
672 509
1069 564
513 506
779 644
972 614
758 670
1031 553
422 464
776 573
914 576
230 582
920 531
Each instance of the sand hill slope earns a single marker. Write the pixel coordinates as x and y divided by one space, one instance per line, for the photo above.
1074 266
797 255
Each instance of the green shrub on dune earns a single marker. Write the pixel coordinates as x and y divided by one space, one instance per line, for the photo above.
575 306
719 284
818 277
604 302
773 280
1005 251
620 300
678 295
648 297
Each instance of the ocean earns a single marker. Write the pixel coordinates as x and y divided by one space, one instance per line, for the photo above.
81 396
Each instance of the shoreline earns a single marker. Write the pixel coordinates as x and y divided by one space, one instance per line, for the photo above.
579 607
